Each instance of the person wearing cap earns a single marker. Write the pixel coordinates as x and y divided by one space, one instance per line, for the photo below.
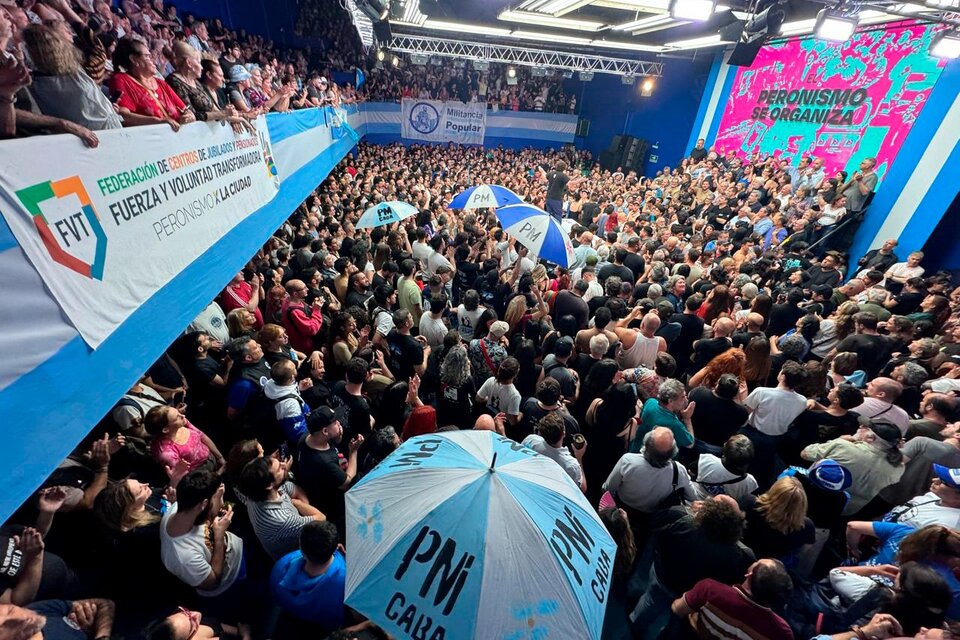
487 352
825 483
873 457
239 79
318 466
940 505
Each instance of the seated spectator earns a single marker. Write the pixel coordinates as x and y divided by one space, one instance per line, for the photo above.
142 97
186 83
61 87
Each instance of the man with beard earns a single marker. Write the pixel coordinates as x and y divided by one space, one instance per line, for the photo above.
318 464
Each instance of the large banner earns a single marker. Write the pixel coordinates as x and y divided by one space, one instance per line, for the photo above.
841 102
438 121
107 227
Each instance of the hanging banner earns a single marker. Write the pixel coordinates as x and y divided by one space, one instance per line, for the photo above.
107 227
438 121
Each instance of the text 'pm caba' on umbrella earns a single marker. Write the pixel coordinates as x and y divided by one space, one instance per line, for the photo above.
385 213
468 535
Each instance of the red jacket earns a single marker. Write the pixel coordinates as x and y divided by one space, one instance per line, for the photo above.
300 327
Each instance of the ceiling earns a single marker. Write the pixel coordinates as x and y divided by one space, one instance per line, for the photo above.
618 28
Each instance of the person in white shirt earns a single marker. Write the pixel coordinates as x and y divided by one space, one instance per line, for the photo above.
468 314
641 481
726 475
898 274
211 569
772 411
499 395
436 259
878 405
941 505
432 326
549 442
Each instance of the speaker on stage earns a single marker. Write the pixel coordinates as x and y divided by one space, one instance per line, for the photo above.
583 128
381 29
745 53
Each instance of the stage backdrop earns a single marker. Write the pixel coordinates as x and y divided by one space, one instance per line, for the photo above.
842 102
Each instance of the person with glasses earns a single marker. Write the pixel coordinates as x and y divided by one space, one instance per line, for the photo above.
185 624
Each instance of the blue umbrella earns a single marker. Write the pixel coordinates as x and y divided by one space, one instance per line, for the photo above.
485 196
468 535
385 213
538 231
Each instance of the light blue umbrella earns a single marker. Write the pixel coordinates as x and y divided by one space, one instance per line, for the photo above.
468 535
485 196
538 231
385 213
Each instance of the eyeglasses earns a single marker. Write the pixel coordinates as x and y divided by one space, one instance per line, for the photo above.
194 622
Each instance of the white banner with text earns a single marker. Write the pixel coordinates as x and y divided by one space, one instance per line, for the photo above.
108 227
439 121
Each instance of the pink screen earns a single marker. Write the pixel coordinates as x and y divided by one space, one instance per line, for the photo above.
842 102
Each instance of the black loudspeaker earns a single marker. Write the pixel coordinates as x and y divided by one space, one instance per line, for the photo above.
732 32
634 154
616 144
381 29
583 128
608 160
745 53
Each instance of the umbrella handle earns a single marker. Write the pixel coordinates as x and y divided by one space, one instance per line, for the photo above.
493 462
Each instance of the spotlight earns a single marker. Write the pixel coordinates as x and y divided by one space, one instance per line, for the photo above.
945 44
395 61
586 76
646 88
512 72
941 4
834 26
628 79
381 55
699 10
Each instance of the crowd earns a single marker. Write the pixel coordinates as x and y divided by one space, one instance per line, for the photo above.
87 66
767 428
84 67
768 431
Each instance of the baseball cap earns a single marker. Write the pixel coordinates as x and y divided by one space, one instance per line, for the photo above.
949 477
563 347
323 417
830 475
499 329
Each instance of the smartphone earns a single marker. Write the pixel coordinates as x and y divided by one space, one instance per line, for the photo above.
284 452
178 398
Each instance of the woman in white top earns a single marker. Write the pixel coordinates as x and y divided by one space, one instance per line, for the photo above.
831 212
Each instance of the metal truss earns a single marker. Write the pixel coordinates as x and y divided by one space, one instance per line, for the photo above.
508 54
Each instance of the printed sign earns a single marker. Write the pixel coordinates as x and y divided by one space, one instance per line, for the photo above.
439 121
107 227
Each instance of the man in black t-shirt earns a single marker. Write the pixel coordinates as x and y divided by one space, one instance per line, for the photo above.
318 464
691 329
348 399
633 260
557 183
408 354
872 349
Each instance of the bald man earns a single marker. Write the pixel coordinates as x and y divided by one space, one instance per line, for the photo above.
639 482
707 349
487 422
752 328
878 405
639 348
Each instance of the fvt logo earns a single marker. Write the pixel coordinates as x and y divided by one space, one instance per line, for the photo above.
71 232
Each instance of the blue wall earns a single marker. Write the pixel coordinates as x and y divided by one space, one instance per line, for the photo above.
274 20
664 118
